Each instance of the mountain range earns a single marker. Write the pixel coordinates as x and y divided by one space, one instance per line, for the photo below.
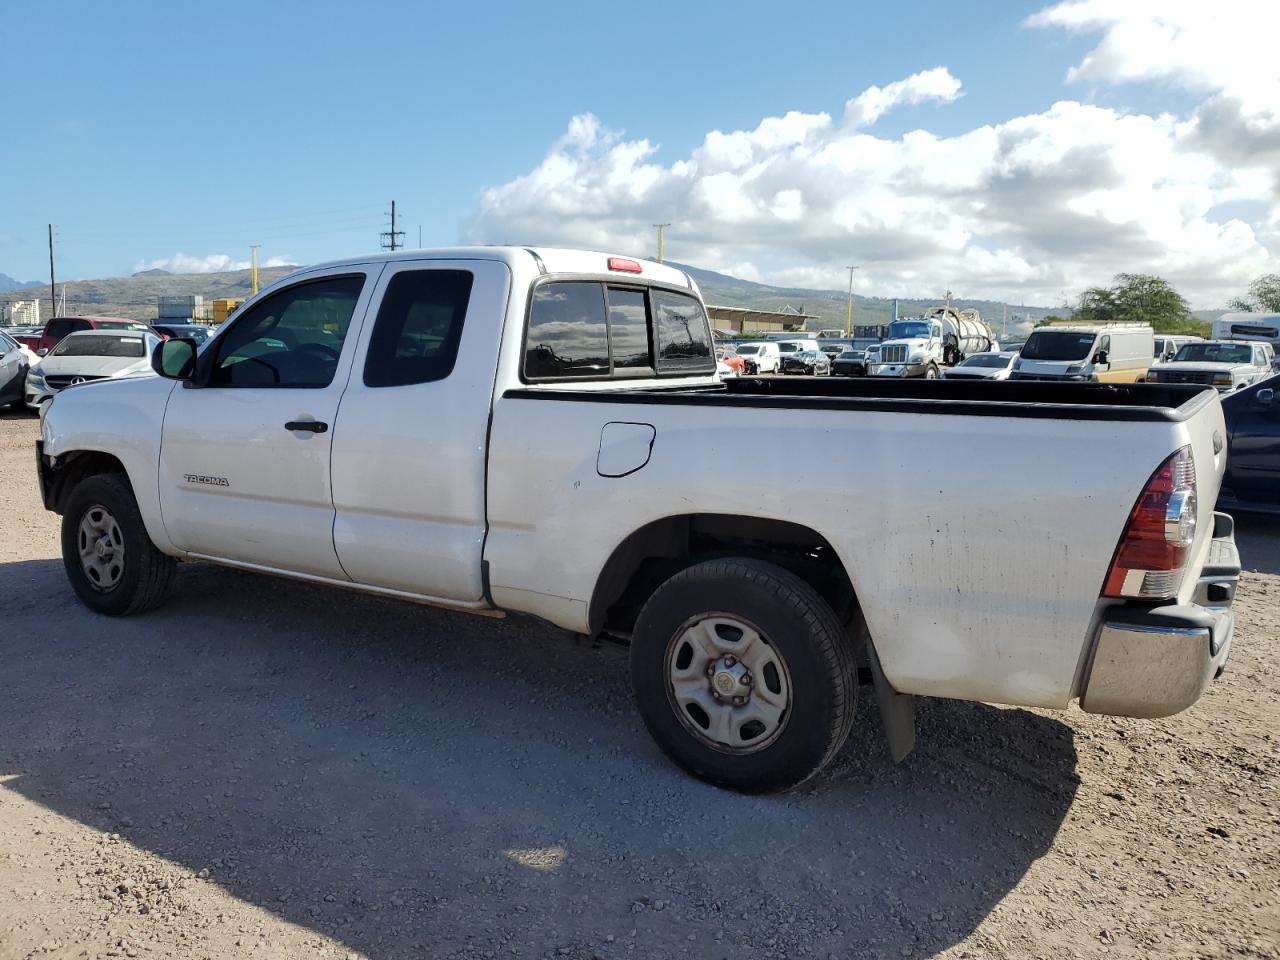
135 297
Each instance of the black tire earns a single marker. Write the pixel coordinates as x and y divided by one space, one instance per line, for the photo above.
931 372
147 575
799 626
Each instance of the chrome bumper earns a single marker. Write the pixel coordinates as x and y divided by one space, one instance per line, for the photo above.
1157 661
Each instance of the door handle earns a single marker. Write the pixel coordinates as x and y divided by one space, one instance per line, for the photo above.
312 426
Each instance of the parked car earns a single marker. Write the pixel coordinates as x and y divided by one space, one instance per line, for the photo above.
850 363
811 362
1225 364
760 357
833 347
796 345
13 370
1252 481
571 483
996 365
734 365
53 332
194 331
90 355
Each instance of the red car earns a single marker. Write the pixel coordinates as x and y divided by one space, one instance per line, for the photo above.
729 357
59 327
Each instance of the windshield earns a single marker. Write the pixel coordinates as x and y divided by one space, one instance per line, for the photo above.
908 329
787 347
749 349
850 355
986 360
1214 353
1058 345
100 345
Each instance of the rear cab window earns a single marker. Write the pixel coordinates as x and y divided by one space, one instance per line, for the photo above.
596 330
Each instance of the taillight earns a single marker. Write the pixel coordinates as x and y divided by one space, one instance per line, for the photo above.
624 265
1152 556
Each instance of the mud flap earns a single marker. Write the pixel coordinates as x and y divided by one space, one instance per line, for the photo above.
897 710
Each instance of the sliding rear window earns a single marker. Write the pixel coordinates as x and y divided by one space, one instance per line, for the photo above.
581 330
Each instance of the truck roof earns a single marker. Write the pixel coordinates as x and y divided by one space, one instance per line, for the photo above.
548 259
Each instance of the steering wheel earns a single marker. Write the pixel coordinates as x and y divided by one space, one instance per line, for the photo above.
322 348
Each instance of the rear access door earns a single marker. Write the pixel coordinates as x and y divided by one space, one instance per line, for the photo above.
410 442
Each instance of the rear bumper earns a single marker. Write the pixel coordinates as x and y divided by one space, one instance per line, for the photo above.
1157 661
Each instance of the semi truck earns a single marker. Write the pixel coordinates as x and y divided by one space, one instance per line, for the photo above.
924 346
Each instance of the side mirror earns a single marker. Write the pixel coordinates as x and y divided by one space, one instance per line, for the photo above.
42 352
1100 357
175 358
1265 397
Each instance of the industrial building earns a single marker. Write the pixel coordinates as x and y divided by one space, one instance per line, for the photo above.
732 320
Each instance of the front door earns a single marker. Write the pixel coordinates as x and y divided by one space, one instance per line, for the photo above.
244 462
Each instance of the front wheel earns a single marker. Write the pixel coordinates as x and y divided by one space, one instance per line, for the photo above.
743 675
931 372
110 560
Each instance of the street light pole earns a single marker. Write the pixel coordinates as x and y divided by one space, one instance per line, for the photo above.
662 229
848 318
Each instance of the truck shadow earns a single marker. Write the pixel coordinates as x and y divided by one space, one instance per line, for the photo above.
412 782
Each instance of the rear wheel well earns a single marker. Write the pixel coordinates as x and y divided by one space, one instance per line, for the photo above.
73 467
659 550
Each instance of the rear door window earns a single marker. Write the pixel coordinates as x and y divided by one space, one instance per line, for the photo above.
419 324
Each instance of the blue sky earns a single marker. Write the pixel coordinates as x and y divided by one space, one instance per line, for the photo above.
155 129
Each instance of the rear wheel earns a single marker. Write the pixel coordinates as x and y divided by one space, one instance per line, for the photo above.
110 560
743 675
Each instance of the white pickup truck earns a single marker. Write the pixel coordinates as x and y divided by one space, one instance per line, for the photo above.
538 430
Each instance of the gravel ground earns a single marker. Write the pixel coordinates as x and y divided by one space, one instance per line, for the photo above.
269 769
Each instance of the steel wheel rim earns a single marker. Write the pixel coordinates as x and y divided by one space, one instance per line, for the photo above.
100 543
703 653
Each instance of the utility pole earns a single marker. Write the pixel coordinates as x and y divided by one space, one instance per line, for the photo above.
253 253
419 236
662 233
392 239
848 317
53 284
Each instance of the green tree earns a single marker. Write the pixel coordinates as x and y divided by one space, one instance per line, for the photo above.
1264 295
1048 319
1137 298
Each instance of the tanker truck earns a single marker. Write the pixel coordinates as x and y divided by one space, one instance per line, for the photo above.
922 346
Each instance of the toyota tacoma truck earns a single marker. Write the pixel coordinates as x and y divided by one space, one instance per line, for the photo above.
543 431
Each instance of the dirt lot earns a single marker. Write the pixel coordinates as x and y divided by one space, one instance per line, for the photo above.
268 769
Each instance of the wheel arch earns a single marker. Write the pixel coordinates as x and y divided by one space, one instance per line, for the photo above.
75 465
653 553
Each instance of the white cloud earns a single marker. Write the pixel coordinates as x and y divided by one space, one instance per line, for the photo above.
210 263
1025 208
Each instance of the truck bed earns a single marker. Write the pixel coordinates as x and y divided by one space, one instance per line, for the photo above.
1076 401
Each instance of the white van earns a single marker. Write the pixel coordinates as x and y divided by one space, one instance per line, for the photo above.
1249 326
1112 353
798 345
1169 344
761 357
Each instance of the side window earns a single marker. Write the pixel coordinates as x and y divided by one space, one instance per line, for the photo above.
568 335
628 330
683 339
58 329
292 339
415 336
